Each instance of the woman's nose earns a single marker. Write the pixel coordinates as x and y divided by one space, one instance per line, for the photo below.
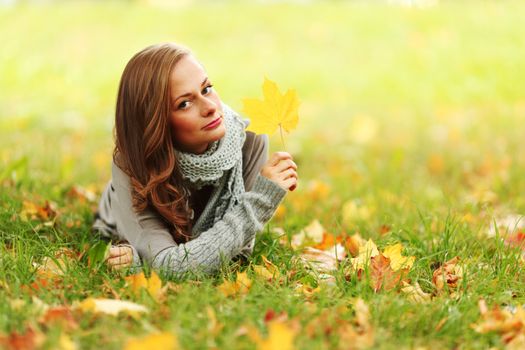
209 108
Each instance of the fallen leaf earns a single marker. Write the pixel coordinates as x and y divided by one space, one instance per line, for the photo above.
366 252
358 334
32 211
111 306
274 111
240 286
510 325
329 240
415 293
163 340
280 337
269 271
139 282
29 340
82 194
382 276
319 260
56 266
353 243
449 274
59 315
306 290
312 233
398 261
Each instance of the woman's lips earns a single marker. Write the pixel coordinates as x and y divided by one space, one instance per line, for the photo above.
215 123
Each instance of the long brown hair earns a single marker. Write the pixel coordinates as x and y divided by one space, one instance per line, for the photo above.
143 138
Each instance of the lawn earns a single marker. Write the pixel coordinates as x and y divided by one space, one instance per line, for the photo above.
411 132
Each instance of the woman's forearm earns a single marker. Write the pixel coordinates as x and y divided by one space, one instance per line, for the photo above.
228 236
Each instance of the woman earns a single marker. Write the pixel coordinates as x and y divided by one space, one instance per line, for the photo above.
190 187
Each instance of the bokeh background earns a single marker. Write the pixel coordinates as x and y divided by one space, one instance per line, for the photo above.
405 105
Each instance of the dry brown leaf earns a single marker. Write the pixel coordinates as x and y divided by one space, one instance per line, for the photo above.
449 274
353 243
510 326
381 274
319 260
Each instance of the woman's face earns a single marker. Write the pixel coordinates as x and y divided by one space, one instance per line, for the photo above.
196 115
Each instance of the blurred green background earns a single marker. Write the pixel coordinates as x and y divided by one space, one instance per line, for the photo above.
415 100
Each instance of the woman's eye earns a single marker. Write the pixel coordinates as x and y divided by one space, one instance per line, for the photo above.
183 104
207 89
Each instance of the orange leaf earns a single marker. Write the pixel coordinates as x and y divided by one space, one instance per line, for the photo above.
450 274
60 315
329 240
381 274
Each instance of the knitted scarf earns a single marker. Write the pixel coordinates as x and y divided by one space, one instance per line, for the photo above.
220 165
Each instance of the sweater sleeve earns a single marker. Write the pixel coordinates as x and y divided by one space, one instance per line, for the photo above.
150 236
228 236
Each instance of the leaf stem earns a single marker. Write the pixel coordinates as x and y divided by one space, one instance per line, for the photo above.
282 137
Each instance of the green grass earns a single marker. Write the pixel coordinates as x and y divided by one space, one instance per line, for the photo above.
416 114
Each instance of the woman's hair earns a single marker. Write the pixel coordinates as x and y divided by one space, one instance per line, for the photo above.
143 138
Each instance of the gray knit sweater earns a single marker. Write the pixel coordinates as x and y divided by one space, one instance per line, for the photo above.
234 234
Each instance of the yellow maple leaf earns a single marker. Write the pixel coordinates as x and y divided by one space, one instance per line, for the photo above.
269 271
366 251
398 261
240 286
163 340
280 337
275 111
153 284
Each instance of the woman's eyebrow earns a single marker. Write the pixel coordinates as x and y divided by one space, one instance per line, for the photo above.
189 93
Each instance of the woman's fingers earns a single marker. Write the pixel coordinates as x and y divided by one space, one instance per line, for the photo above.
290 182
121 260
120 257
282 170
288 173
115 251
285 164
278 156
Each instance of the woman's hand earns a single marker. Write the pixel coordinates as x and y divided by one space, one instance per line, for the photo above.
282 170
120 256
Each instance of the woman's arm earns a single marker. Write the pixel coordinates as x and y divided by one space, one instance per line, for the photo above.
228 236
149 235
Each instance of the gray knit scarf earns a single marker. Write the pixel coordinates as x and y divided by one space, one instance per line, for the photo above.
220 165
